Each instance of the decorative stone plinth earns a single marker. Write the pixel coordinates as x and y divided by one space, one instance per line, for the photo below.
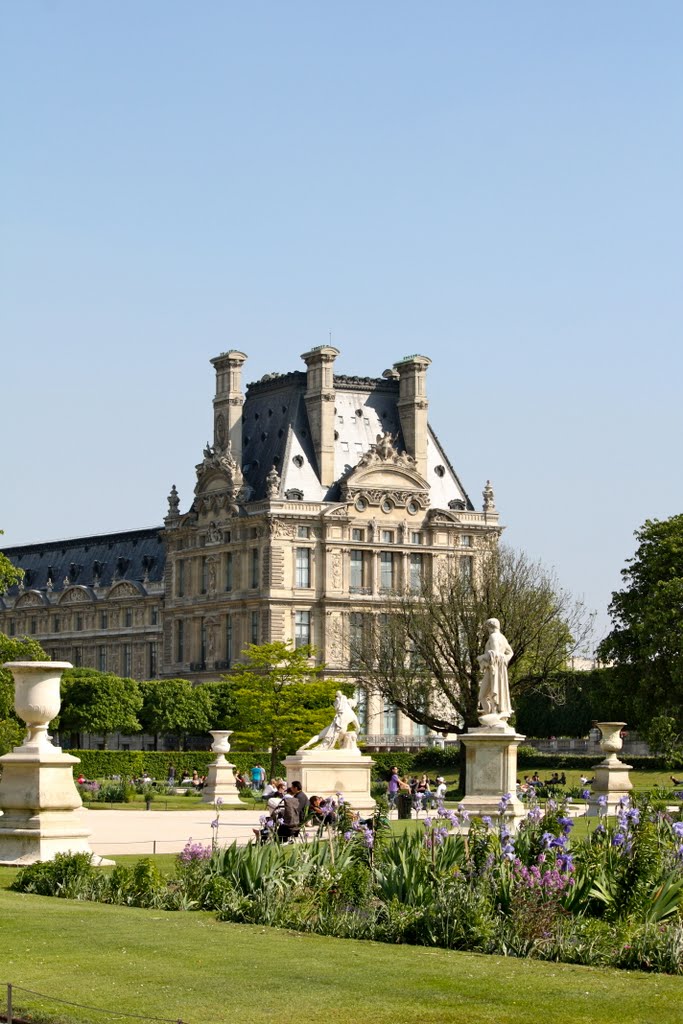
39 801
326 772
611 780
491 772
220 778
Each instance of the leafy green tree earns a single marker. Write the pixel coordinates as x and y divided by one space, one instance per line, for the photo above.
9 574
663 738
14 648
646 641
175 707
223 706
99 702
280 700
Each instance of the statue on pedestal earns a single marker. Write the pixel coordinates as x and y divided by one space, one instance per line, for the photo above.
337 730
494 689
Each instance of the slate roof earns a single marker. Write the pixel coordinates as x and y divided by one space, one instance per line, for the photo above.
128 556
276 432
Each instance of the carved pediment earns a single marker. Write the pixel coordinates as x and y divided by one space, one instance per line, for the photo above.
76 595
31 599
125 589
385 472
440 517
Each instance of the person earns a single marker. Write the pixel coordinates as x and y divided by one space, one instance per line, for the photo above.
81 779
270 789
423 792
393 787
195 778
240 781
563 779
185 780
320 812
171 775
494 688
440 793
258 777
298 794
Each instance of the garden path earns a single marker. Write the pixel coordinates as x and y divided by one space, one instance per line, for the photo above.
150 832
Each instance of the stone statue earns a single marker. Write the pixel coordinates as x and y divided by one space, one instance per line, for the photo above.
173 502
344 717
273 483
494 689
489 498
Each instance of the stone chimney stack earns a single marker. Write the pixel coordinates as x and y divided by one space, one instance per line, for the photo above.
412 407
227 405
319 399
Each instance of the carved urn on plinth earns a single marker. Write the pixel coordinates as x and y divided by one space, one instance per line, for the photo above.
38 797
220 778
611 780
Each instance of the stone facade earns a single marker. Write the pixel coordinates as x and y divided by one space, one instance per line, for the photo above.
319 495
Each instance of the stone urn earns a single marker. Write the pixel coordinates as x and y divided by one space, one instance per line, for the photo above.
221 742
611 741
37 698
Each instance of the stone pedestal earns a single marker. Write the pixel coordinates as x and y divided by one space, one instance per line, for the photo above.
326 772
611 779
220 778
491 772
38 796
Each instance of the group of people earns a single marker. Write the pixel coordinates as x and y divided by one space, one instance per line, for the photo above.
534 784
289 809
422 790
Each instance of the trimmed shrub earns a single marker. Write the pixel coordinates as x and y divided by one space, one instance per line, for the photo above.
103 764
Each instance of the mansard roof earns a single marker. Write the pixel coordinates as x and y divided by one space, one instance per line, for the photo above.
276 432
134 555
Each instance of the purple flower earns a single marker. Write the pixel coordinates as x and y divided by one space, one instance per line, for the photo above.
566 825
617 839
347 836
214 823
534 815
218 801
486 820
677 829
547 839
194 851
503 803
585 794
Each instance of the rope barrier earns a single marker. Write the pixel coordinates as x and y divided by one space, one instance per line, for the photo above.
11 988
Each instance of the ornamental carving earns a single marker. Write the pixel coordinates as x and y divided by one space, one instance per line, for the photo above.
376 495
212 572
221 460
75 596
384 451
214 535
282 529
336 570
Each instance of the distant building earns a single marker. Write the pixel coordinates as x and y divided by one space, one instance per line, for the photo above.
319 495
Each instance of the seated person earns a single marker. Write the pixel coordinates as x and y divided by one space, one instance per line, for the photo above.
270 789
290 824
321 812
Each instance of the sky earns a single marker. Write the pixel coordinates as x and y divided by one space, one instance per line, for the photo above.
497 186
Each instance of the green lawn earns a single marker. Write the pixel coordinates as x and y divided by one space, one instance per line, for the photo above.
188 966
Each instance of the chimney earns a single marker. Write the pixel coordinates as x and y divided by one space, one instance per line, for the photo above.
227 405
319 399
412 407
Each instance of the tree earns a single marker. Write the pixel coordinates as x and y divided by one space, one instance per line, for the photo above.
13 648
646 642
175 706
223 706
280 700
421 652
9 573
99 702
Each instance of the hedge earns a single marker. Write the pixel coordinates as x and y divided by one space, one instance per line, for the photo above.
103 764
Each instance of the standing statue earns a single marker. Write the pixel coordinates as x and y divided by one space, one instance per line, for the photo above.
494 689
343 718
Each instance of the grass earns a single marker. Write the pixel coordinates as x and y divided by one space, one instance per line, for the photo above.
188 966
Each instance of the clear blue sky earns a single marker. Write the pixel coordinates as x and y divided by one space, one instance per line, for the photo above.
496 185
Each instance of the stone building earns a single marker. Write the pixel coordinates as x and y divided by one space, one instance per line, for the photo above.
319 495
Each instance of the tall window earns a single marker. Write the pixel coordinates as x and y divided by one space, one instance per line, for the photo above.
390 719
229 571
356 636
202 643
357 580
56 625
102 658
12 627
128 617
361 695
357 534
154 615
415 537
205 575
79 622
34 625
104 620
254 568
387 536
180 640
415 573
303 567
302 628
180 578
466 568
152 660
254 627
127 659
466 540
386 570
303 531
78 657
228 640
